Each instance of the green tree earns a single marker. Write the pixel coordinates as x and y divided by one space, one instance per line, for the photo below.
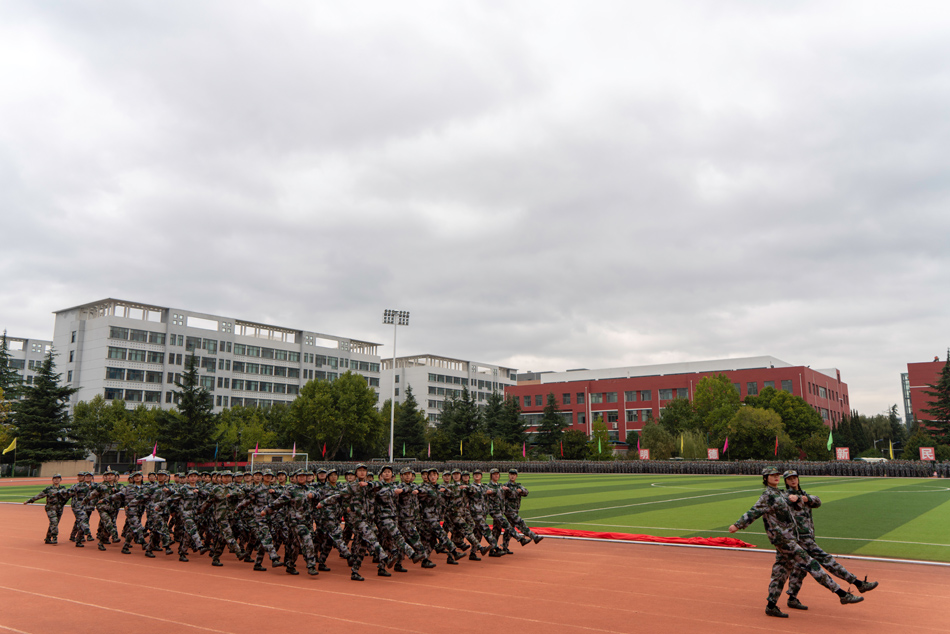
939 409
460 419
240 429
189 435
42 420
678 416
800 419
410 427
94 424
137 431
10 379
691 445
341 414
816 446
493 414
659 441
752 432
898 430
551 428
6 428
599 446
575 444
715 401
919 439
511 427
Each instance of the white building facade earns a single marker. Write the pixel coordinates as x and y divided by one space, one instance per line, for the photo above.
26 356
435 379
136 352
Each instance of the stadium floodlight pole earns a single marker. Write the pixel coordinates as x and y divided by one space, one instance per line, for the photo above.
396 318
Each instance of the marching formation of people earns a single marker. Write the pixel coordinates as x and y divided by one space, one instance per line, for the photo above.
393 519
789 525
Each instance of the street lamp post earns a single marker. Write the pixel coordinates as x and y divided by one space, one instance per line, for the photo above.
396 318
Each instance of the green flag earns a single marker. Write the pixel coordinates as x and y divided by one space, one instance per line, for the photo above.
351 451
403 450
492 447
831 441
598 445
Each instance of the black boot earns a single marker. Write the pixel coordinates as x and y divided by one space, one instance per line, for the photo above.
150 554
355 576
865 586
102 546
382 572
312 571
772 610
323 568
474 556
182 557
795 604
259 567
216 562
399 568
428 563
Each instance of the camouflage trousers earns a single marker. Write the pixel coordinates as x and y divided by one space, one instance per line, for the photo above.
133 526
330 535
463 531
788 557
158 534
365 540
410 533
516 522
826 561
81 523
482 529
224 535
300 543
189 534
54 512
392 539
107 531
261 538
433 535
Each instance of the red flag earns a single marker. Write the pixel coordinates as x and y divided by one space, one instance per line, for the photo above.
776 445
256 447
430 450
154 449
562 448
324 452
725 447
638 443
294 454
524 453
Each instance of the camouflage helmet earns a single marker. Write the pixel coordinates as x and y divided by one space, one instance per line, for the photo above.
359 466
268 472
493 470
432 470
332 470
466 474
384 467
446 473
256 471
226 472
770 471
351 472
58 475
456 470
280 471
321 470
791 473
479 471
193 471
406 470
512 471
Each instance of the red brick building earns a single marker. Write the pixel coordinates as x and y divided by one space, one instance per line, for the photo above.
627 397
914 383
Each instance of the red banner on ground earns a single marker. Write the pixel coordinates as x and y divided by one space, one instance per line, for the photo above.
727 542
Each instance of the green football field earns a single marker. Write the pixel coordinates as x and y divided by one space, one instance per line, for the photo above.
881 517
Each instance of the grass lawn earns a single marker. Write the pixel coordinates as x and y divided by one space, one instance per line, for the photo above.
881 517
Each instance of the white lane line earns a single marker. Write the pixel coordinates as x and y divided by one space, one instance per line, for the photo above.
102 607
711 530
624 506
7 628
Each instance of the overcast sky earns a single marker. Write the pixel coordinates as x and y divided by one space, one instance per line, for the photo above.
544 185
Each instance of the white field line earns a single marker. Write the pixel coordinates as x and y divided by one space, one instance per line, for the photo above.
748 550
624 506
710 530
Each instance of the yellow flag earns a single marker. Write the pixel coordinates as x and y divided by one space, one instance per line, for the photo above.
11 447
891 443
460 448
681 444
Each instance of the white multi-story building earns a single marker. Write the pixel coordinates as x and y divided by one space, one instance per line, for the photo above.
136 352
435 379
26 356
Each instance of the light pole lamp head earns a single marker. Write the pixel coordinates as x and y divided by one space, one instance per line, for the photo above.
397 317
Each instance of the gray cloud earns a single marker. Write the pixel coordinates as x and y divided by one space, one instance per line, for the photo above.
548 185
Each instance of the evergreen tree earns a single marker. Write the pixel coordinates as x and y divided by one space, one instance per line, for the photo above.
599 446
460 419
493 415
939 408
10 379
575 444
551 427
188 433
94 424
511 426
410 427
42 418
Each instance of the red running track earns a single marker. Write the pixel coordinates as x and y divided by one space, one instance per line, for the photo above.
555 586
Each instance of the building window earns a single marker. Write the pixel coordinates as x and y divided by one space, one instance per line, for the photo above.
137 355
787 385
117 353
613 417
682 392
138 335
135 375
168 397
596 397
69 376
822 392
566 398
72 338
156 338
581 418
767 384
580 398
646 395
153 397
397 378
115 374
155 357
666 395
736 386
611 397
119 333
752 388
71 354
153 377
538 400
397 391
113 394
527 400
133 396
631 416
630 395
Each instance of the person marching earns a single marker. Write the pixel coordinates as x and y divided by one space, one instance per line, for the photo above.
801 504
782 531
55 495
515 492
495 495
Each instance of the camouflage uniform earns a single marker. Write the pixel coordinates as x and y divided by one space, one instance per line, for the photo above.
801 510
356 498
55 495
433 535
387 524
257 498
296 499
218 502
513 497
782 531
186 500
78 494
478 507
100 494
132 497
495 497
409 516
327 518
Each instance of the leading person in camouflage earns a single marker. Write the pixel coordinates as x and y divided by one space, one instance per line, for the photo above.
55 495
801 504
782 531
